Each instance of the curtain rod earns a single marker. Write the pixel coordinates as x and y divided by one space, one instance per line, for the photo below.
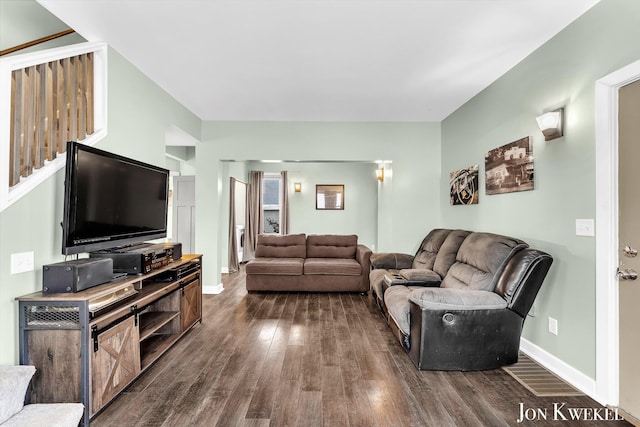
36 41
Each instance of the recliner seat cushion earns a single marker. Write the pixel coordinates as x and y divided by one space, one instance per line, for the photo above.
332 266
275 266
398 305
480 260
396 301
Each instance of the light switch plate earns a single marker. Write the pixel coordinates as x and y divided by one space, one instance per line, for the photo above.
553 326
21 262
585 227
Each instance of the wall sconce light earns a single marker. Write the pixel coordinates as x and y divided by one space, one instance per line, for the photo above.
297 186
551 124
380 174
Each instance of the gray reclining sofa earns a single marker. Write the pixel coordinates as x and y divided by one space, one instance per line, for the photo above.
460 302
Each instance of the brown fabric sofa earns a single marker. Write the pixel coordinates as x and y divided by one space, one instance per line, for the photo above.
314 263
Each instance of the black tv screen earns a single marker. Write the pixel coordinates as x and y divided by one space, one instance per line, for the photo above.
111 200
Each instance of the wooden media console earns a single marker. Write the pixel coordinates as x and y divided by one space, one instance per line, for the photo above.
89 346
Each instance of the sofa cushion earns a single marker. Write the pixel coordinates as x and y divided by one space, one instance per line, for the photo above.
14 381
396 301
281 246
426 255
275 266
47 415
332 266
446 256
332 246
377 276
480 260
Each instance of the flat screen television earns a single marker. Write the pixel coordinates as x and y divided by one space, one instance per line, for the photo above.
111 201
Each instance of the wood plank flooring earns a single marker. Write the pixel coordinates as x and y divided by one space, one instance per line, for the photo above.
310 359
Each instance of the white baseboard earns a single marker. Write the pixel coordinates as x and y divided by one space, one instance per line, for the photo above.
212 290
568 373
224 270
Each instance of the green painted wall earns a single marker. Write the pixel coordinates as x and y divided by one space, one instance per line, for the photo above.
563 72
361 198
405 199
22 21
139 114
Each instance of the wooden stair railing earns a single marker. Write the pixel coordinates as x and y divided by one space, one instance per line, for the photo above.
51 103
36 42
53 96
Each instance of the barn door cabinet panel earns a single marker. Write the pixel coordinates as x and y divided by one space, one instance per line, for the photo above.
115 362
191 301
89 346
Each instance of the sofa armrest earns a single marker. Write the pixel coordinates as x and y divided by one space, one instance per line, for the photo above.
391 261
456 299
363 256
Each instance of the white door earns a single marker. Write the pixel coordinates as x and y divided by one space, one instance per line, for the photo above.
184 212
629 238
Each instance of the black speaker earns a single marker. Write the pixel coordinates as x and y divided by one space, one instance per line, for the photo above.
76 275
177 249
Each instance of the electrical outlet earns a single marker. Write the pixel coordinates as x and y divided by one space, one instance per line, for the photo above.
21 262
553 326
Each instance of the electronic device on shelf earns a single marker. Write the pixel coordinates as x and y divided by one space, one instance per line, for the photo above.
75 275
139 259
179 272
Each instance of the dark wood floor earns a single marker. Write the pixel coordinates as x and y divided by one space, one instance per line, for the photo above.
288 359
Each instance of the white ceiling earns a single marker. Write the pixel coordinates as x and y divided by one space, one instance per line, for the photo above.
321 60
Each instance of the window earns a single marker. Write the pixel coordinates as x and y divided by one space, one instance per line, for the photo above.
271 203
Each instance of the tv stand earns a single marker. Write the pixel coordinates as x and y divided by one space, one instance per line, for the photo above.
90 345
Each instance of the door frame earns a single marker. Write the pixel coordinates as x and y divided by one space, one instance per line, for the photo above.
607 294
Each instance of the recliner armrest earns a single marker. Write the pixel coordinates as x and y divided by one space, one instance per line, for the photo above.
456 299
391 261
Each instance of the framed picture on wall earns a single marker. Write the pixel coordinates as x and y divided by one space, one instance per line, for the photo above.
463 185
330 197
509 168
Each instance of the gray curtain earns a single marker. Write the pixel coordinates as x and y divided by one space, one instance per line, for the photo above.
233 250
284 203
253 224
